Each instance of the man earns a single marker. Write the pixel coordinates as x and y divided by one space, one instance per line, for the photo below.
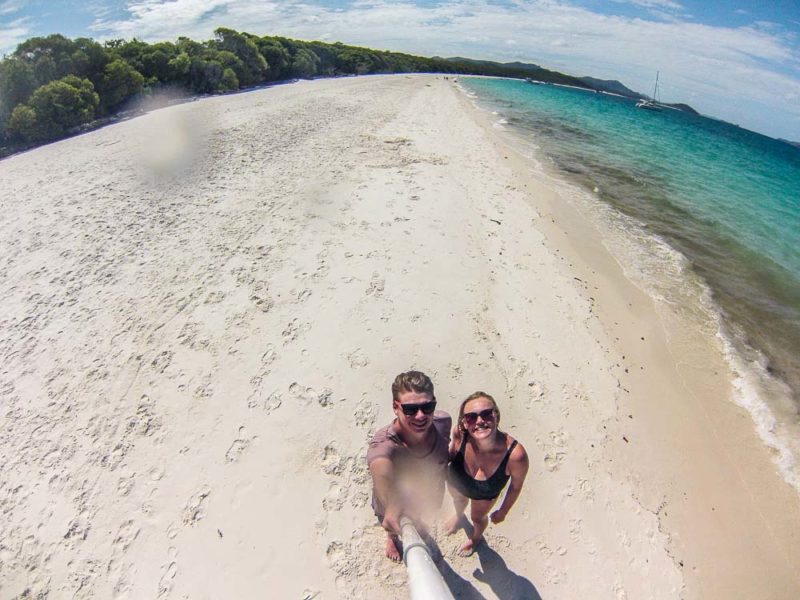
408 458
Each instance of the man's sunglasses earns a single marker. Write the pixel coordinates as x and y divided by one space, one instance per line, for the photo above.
471 418
410 410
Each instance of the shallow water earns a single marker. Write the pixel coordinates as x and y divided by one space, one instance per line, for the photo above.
727 200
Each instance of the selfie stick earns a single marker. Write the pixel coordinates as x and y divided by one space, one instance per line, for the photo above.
424 579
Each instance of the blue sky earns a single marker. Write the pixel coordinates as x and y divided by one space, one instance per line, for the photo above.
738 60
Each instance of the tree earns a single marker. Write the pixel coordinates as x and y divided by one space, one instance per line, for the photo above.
276 55
326 58
190 47
120 82
228 60
156 61
205 76
229 81
304 63
89 59
51 56
57 107
17 83
254 67
179 68
22 124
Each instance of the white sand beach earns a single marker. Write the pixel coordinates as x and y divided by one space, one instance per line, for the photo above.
194 360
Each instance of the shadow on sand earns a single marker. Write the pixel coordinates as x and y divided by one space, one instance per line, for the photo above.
493 571
505 584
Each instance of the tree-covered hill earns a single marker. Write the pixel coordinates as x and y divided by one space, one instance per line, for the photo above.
51 86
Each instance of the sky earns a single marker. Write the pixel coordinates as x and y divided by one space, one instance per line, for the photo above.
736 60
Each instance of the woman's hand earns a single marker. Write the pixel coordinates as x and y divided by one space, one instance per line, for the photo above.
498 516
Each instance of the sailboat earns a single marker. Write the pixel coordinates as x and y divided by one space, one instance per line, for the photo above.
650 104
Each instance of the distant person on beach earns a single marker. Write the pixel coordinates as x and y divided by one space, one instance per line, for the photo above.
482 460
408 458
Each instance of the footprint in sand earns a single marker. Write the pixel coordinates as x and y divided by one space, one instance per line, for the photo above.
365 414
204 389
167 579
272 402
544 548
262 302
349 477
125 485
335 498
587 491
536 392
291 331
357 359
126 535
189 335
144 422
269 355
162 361
195 509
307 395
238 446
376 286
575 529
331 460
552 575
553 460
559 438
214 297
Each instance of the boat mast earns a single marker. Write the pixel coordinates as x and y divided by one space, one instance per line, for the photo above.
655 89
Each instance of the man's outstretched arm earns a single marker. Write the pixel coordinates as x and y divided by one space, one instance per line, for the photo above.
382 471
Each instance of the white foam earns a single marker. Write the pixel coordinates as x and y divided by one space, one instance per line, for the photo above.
664 274
752 383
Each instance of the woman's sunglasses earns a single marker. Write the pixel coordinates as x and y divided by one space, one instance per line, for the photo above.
471 418
410 410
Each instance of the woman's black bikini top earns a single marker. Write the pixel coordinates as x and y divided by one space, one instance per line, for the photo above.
478 489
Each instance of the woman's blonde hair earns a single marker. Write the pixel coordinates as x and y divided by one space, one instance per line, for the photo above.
470 398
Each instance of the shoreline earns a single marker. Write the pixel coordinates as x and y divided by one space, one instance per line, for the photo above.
713 389
194 363
767 397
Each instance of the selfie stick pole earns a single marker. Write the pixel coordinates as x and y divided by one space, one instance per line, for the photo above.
424 579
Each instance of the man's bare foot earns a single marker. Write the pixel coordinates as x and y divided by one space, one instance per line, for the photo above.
453 524
468 548
394 548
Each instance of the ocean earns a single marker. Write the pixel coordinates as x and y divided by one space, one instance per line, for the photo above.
707 219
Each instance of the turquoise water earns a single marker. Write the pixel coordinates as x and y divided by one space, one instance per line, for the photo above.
726 198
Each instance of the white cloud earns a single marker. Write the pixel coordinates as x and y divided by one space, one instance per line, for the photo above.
13 33
659 4
8 7
158 18
722 68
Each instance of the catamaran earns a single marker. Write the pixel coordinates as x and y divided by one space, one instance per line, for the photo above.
650 104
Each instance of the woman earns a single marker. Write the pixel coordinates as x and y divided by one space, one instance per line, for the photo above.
482 460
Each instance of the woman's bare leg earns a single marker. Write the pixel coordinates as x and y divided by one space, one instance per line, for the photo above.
479 513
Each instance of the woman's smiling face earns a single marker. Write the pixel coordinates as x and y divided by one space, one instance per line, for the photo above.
480 418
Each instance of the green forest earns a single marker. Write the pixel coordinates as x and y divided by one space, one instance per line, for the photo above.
51 87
